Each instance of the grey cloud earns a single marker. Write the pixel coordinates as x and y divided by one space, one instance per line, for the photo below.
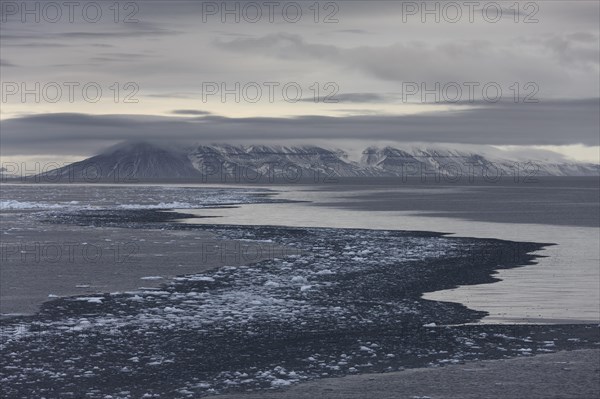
103 45
507 13
583 37
372 45
372 9
350 111
352 98
36 45
133 34
189 112
121 57
574 50
75 119
5 63
416 61
232 34
284 45
179 95
354 31
579 49
70 65
369 64
139 31
551 123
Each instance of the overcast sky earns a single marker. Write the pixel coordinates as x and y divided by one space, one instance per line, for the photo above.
528 78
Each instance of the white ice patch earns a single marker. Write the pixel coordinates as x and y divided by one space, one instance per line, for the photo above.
249 297
52 198
196 278
90 299
299 280
6 205
162 205
278 383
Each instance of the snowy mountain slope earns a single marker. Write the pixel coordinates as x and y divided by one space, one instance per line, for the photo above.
272 161
230 163
131 160
451 162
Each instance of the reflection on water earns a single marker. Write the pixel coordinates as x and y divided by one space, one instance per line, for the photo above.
563 287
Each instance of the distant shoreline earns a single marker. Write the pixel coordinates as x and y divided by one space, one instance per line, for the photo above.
333 181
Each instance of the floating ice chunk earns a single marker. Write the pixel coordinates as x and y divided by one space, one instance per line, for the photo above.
162 205
324 272
429 325
151 278
202 385
305 288
13 204
151 291
278 382
299 280
155 363
170 309
93 299
203 278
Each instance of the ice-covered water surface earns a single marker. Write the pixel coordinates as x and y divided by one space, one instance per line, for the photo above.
344 301
564 287
74 197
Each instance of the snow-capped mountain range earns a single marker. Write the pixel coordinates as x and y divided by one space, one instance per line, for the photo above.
262 163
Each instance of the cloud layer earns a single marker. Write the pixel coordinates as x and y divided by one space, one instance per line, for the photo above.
370 53
550 123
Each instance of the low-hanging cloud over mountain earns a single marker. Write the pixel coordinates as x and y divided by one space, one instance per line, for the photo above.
546 123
